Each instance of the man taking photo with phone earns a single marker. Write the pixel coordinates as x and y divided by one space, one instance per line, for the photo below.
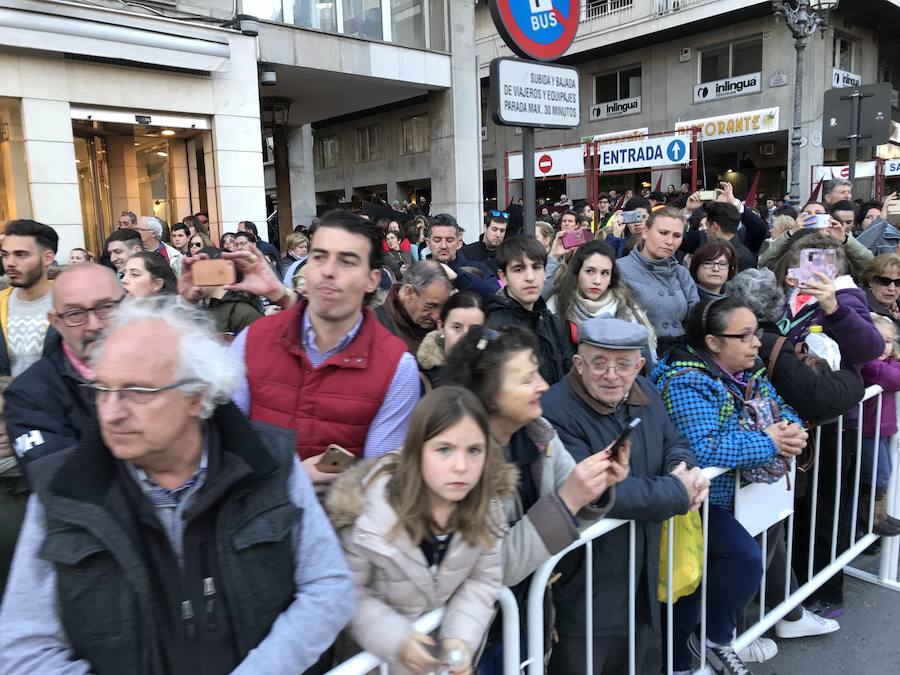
304 364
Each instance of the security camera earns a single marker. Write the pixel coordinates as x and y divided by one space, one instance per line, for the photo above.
249 24
267 76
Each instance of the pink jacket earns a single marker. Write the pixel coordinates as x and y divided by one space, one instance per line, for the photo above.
887 375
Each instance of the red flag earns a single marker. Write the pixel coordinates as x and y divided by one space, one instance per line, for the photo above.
815 193
750 201
659 184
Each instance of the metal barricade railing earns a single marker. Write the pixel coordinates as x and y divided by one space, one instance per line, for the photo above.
365 662
839 560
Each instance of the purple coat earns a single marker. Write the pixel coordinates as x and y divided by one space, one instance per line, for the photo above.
850 326
887 374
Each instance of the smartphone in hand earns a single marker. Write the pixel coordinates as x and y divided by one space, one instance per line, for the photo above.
620 441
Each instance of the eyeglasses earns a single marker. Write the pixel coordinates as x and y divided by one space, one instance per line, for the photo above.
886 281
500 214
715 264
602 367
744 337
132 395
102 310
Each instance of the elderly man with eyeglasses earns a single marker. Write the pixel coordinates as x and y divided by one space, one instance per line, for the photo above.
589 408
177 537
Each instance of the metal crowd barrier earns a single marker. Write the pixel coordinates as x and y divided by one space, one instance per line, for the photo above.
427 623
887 576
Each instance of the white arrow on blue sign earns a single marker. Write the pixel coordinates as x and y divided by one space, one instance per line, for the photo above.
646 152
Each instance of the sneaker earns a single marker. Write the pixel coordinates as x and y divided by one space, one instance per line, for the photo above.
722 659
827 610
759 651
807 625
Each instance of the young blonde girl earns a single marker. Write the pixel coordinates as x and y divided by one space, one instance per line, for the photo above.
420 530
884 371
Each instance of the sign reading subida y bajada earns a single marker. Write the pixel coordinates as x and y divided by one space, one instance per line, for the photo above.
541 30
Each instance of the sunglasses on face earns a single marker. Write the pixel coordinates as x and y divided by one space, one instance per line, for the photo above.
886 281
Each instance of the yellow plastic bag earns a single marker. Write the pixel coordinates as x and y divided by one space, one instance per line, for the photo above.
687 564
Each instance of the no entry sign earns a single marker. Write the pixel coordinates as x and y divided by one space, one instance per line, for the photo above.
545 164
541 30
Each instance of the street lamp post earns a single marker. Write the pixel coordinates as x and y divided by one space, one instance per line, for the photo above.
803 18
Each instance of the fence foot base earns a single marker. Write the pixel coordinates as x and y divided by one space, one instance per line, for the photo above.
872 578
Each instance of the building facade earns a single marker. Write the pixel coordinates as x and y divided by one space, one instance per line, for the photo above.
171 107
725 67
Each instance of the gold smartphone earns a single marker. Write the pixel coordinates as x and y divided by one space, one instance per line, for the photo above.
335 460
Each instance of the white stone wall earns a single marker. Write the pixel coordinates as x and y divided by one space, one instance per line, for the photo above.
46 84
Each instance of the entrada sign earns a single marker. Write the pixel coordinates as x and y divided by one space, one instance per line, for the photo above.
645 153
541 30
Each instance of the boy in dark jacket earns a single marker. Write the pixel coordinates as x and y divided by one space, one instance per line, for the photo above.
520 266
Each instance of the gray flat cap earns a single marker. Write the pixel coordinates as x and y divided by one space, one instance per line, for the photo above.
611 333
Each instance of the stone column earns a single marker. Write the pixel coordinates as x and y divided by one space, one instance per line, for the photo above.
52 178
455 134
302 175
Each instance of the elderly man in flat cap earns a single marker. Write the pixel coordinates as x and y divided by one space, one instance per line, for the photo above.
589 408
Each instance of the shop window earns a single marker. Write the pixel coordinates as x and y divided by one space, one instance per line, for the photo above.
416 134
625 83
732 60
367 144
14 198
326 152
843 53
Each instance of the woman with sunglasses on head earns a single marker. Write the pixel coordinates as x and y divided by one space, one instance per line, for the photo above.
881 280
712 265
717 394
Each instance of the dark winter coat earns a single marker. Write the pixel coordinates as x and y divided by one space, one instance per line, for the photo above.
850 326
649 495
46 407
233 312
480 253
817 394
554 346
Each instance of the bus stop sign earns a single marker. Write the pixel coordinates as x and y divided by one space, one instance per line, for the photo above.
541 30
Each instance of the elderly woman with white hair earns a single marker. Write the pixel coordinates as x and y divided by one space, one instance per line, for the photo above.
177 532
818 394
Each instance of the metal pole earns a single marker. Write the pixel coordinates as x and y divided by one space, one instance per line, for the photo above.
796 137
528 198
854 132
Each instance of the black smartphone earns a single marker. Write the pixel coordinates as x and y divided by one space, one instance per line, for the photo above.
620 441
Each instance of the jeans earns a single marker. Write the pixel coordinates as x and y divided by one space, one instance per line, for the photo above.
883 475
733 572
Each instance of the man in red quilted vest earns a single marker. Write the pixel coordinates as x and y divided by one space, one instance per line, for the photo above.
325 367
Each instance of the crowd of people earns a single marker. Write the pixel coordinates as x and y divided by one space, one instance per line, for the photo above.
270 472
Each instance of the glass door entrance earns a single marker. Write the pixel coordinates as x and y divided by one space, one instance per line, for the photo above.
93 187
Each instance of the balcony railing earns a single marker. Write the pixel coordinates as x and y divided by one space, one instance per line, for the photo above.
420 24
